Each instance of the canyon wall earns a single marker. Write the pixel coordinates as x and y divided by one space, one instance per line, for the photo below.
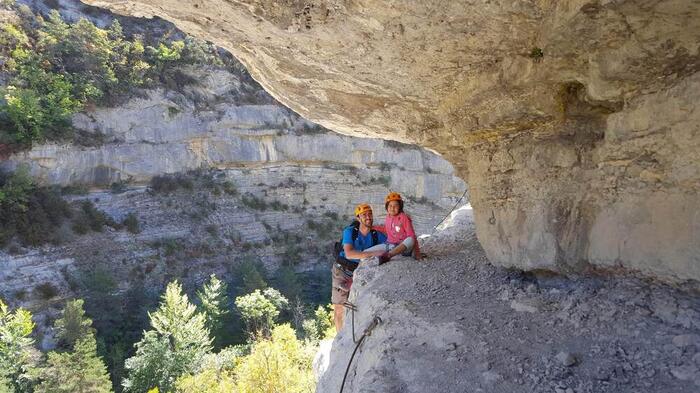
575 122
207 125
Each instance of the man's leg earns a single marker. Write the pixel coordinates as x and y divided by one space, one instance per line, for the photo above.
340 287
338 316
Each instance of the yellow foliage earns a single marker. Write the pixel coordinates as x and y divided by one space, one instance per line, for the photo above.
208 381
280 364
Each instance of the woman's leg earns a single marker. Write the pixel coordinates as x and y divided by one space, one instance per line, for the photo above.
404 247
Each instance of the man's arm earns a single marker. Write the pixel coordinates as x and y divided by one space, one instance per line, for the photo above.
351 253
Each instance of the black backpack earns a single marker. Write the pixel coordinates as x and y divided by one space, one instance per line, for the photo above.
338 247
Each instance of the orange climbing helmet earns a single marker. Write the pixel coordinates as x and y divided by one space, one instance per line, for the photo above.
362 208
393 196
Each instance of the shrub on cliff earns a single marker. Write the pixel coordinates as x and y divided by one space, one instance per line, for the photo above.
31 213
58 68
131 223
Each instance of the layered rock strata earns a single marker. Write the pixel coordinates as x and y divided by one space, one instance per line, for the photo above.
575 122
206 126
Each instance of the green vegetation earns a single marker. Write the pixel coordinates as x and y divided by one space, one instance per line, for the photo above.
214 305
75 367
46 291
175 345
536 54
131 223
166 184
35 215
31 213
254 202
170 246
186 347
56 69
88 217
73 325
260 310
325 229
18 358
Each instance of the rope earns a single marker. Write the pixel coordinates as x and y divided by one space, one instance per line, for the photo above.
368 332
453 209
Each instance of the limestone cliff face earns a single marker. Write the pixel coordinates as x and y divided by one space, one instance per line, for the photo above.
575 122
295 186
206 125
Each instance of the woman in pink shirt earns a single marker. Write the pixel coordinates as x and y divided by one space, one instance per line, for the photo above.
399 230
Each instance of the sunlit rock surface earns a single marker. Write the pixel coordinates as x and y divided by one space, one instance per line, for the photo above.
574 122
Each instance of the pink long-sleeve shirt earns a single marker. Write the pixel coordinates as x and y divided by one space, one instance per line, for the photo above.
398 228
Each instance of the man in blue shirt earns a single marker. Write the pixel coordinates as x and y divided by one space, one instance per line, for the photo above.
360 241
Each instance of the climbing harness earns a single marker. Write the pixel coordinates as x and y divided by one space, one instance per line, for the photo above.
453 209
368 332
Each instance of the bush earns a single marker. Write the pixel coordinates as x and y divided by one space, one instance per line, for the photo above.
33 214
254 202
89 217
46 291
170 246
229 188
131 223
166 184
119 187
278 364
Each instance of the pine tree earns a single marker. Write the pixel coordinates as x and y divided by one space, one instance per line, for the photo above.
76 366
174 346
72 325
18 357
214 306
79 370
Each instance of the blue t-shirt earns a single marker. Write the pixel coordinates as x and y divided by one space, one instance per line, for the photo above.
362 242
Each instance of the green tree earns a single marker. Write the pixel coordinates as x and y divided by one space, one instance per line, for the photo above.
214 303
76 366
5 386
321 326
18 358
250 275
173 347
72 325
79 370
279 364
287 281
215 375
260 310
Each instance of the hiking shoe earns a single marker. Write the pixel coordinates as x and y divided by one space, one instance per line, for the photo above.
384 258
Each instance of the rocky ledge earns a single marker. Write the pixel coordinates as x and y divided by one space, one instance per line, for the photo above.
472 327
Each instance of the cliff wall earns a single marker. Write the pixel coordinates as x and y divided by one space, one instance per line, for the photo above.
575 122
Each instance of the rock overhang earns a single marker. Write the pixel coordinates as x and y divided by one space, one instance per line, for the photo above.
528 100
